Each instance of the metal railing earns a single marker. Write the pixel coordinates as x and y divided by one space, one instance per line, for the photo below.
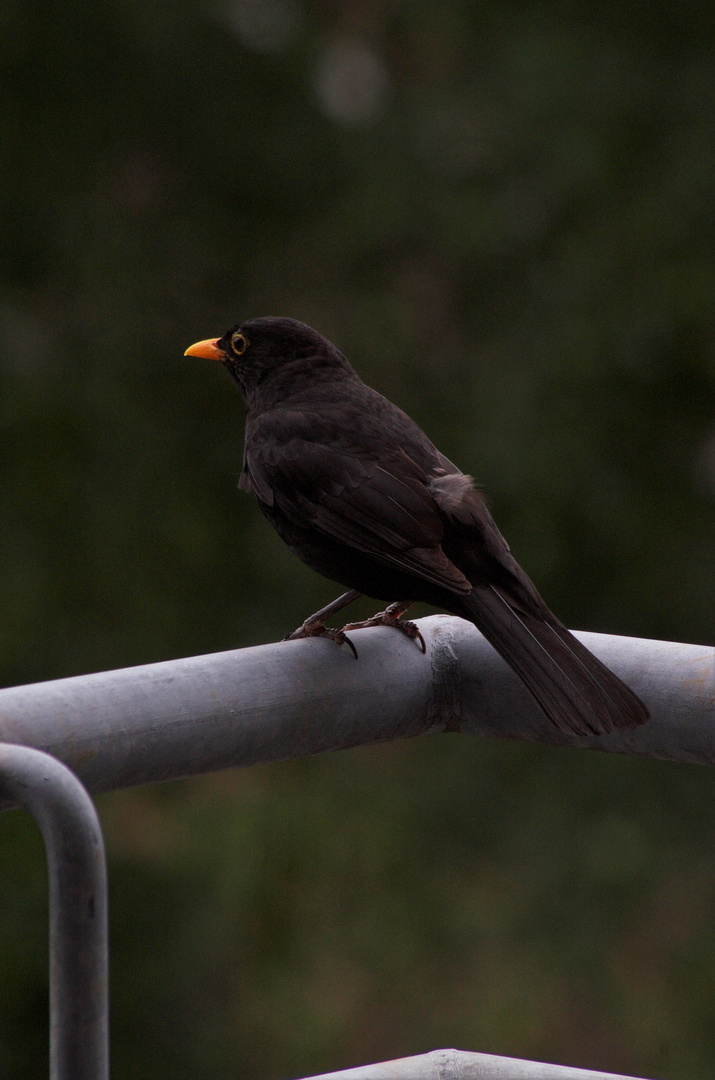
461 1065
79 980
270 703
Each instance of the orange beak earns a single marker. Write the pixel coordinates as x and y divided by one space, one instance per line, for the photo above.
208 350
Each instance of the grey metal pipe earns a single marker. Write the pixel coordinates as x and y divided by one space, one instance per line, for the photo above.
290 699
461 1065
79 990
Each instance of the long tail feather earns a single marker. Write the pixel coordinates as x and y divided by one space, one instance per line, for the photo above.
576 691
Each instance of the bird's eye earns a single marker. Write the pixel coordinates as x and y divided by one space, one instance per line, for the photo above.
239 344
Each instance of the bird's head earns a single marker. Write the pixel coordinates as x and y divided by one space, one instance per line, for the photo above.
273 358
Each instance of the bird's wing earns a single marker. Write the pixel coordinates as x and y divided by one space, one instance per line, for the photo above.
326 479
482 551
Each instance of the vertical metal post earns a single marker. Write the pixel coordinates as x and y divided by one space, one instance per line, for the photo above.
79 990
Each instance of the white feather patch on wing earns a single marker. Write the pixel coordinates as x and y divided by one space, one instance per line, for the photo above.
456 496
450 491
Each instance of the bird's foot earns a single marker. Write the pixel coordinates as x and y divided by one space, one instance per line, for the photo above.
392 616
316 628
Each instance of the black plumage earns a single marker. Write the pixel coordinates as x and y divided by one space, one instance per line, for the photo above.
360 494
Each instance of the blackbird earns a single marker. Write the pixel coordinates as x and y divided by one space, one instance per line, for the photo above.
360 494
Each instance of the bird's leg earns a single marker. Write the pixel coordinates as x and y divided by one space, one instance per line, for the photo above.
314 625
392 616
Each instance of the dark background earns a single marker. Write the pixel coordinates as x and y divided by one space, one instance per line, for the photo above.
503 214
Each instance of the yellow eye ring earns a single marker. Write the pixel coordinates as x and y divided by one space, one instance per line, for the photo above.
239 344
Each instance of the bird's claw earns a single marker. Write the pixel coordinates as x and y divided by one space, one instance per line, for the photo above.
387 618
315 628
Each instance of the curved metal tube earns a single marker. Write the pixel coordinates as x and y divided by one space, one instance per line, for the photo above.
79 992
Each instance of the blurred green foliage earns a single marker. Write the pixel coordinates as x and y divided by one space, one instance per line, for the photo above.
503 214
